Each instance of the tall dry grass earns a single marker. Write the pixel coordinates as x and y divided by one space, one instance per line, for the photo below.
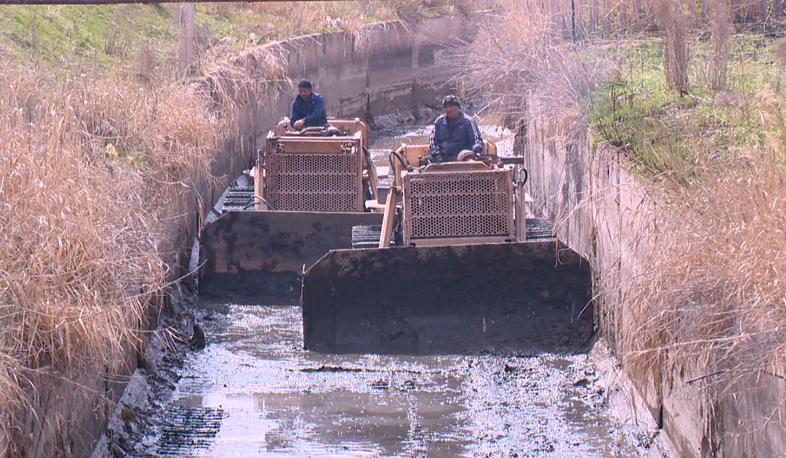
673 23
714 292
721 28
93 177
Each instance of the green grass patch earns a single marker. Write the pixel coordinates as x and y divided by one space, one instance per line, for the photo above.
61 35
668 133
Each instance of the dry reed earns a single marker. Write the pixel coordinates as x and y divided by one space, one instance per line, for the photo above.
674 26
544 74
713 293
720 30
91 175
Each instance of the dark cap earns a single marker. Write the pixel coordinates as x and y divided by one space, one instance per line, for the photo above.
304 84
450 100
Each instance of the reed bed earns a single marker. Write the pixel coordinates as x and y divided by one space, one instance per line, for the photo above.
711 295
95 173
545 74
93 177
713 292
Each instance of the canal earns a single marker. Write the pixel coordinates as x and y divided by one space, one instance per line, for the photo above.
251 390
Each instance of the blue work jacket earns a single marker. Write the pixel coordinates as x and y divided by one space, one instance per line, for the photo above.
313 111
446 143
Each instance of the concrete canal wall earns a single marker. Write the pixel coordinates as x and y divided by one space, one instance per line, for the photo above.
603 212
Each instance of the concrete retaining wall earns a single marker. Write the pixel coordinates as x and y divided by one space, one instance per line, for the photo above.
606 215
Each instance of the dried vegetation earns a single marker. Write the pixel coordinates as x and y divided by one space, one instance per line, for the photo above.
93 177
699 111
101 150
94 171
712 293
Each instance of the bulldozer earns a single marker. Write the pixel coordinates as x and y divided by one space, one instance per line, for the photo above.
304 193
457 267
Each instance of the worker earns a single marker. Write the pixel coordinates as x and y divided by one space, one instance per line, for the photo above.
453 133
308 108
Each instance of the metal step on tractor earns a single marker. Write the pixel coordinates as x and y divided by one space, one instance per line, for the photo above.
455 266
306 191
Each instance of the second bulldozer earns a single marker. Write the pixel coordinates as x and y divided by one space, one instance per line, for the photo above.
309 189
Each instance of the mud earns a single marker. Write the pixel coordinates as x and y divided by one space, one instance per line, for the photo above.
261 255
253 391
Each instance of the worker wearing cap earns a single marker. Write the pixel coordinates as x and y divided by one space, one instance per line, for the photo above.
308 108
453 133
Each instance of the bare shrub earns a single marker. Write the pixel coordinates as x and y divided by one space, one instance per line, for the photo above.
147 63
543 76
720 30
674 26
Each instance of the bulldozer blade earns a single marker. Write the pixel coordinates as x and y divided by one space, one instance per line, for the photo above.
524 296
259 257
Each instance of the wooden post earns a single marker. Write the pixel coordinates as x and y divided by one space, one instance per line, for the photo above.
187 46
762 10
578 18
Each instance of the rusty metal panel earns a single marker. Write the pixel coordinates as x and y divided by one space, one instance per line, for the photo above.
449 299
458 204
258 257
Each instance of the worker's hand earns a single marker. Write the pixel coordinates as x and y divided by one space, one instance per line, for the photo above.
425 160
298 124
478 150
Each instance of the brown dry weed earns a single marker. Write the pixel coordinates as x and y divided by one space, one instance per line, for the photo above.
93 177
713 292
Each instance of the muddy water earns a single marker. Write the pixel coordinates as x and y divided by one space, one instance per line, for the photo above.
253 392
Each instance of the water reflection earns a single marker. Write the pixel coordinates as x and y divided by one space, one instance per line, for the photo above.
277 400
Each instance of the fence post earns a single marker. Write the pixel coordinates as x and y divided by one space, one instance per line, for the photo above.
186 48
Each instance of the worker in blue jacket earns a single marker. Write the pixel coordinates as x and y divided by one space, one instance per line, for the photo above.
308 108
453 133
